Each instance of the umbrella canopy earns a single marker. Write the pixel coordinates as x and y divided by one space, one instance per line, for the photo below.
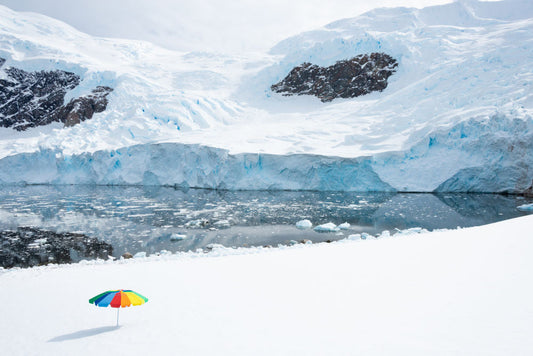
118 299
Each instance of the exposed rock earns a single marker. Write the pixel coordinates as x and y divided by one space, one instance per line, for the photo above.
84 107
127 255
29 99
28 247
33 99
529 191
345 79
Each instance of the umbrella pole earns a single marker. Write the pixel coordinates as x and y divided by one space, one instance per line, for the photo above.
118 309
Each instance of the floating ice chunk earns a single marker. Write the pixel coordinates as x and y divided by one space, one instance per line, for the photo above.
196 224
222 224
526 207
411 231
177 237
344 226
304 224
141 254
365 236
329 227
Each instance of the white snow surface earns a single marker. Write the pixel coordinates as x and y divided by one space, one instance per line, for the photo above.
455 117
465 291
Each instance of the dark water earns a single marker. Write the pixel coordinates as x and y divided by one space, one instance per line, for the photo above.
136 219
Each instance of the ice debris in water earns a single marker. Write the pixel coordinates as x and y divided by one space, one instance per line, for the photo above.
329 227
196 224
141 254
222 224
526 207
344 226
177 237
304 224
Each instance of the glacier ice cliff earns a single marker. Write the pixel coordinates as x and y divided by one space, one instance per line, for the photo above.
489 155
196 166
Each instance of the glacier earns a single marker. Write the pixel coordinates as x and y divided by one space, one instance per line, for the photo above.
192 166
455 117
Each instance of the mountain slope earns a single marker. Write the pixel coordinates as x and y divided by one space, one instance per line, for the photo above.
455 116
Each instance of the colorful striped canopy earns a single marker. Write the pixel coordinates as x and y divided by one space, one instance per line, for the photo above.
118 299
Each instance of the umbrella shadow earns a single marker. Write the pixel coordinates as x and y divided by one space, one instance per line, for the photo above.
84 333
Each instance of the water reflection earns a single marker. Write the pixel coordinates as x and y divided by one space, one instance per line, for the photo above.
137 219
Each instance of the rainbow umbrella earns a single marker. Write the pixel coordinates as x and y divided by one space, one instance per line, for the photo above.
120 298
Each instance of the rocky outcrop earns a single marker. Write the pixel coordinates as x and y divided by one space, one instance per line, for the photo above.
29 99
84 107
28 247
345 79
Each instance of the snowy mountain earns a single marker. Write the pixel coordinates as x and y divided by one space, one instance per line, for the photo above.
456 115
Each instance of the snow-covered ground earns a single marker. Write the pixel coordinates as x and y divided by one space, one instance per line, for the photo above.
457 292
455 117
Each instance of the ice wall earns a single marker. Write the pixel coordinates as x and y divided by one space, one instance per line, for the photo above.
478 155
488 155
192 166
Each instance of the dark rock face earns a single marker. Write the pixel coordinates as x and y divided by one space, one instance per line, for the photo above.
28 247
29 99
345 79
84 107
529 191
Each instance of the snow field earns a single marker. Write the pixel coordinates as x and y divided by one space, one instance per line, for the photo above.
464 291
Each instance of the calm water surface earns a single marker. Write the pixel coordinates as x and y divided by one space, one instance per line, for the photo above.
135 219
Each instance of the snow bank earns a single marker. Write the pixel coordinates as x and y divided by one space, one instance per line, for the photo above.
437 293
